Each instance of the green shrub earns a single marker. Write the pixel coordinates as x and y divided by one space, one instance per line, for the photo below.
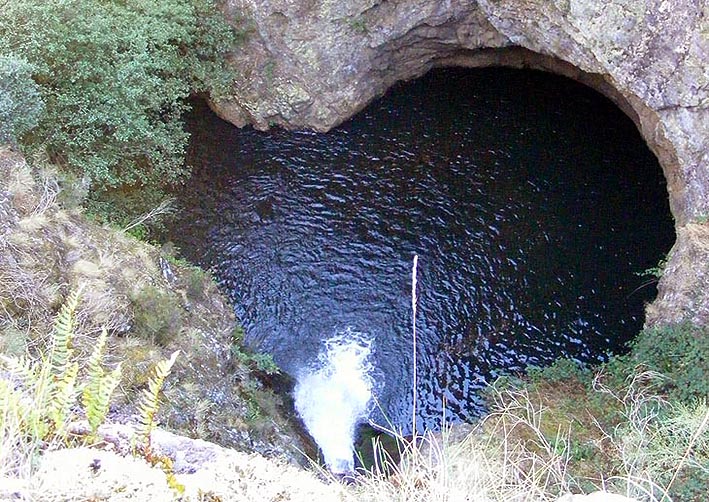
679 351
560 370
20 101
255 361
265 363
114 76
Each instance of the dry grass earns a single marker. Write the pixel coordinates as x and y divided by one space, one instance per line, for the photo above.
491 463
47 250
511 456
659 442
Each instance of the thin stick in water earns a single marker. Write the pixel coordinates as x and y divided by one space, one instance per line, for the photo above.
413 307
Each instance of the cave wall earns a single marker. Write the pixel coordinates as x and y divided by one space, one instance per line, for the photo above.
315 63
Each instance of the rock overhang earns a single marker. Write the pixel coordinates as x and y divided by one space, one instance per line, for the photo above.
313 64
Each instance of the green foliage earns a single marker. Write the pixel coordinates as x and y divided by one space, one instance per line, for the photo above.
148 406
562 370
237 336
261 362
114 76
257 361
679 351
39 395
150 402
140 232
655 272
20 101
264 363
358 25
57 376
96 396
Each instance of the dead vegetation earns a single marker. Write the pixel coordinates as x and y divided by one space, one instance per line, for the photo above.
150 303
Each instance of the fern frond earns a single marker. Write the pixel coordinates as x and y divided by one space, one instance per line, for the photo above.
11 407
40 395
63 332
13 416
149 400
96 396
24 394
25 370
56 385
63 397
94 374
99 407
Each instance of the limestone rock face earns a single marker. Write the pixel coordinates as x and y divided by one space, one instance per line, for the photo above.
315 63
684 285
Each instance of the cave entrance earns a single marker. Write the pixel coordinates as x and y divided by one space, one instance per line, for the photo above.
531 201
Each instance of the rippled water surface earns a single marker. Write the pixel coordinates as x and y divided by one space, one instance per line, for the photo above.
531 201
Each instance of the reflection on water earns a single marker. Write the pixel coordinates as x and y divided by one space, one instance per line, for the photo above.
531 201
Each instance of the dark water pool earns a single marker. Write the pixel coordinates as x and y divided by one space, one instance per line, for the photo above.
531 201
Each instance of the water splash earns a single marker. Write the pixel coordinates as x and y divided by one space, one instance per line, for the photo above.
335 396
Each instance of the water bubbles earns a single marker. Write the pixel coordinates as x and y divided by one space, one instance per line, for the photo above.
335 395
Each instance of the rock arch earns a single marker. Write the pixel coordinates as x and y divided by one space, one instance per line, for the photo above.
315 63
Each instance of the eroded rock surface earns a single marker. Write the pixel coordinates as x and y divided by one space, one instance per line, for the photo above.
685 282
313 64
200 471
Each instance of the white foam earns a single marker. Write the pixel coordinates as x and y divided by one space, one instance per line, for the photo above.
335 396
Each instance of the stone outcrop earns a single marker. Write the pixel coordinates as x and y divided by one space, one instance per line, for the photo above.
684 285
200 471
315 63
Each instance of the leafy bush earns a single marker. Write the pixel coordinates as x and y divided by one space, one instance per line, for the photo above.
561 370
256 361
114 76
679 351
20 101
